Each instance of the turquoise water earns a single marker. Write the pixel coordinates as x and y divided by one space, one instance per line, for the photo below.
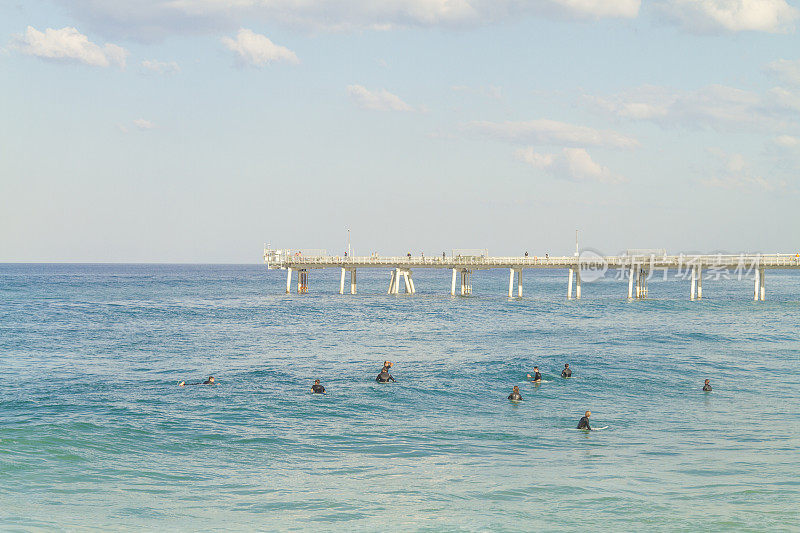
94 432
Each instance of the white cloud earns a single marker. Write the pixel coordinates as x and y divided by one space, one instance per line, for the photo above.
786 70
143 124
492 92
601 8
717 107
787 141
735 174
746 182
255 49
574 164
785 99
643 103
771 16
380 100
68 44
551 132
161 67
156 18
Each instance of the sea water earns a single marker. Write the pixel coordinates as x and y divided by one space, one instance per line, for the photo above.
96 434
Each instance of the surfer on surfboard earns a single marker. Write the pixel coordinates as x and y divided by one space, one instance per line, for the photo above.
567 372
536 377
209 381
584 423
384 376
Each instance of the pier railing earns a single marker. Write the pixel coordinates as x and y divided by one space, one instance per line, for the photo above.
730 261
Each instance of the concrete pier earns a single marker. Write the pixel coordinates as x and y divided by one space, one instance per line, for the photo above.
638 268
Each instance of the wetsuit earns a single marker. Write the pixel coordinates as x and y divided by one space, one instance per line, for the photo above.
707 387
318 389
537 376
515 396
584 423
384 377
206 382
566 373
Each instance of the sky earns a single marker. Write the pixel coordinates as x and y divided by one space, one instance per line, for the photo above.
198 130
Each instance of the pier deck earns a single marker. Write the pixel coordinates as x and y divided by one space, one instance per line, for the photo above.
639 267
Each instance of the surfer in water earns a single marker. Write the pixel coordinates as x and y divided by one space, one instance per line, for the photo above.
317 388
536 377
385 376
707 385
567 372
209 381
584 422
515 395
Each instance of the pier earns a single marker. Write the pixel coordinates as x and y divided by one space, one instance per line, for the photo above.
636 266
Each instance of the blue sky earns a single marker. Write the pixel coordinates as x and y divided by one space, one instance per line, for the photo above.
197 130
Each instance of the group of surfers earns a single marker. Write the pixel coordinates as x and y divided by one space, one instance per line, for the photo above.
385 377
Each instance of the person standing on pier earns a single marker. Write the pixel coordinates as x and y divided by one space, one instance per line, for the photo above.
707 386
566 373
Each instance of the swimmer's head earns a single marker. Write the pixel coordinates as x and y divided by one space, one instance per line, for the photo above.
536 368
707 381
211 379
588 414
316 382
566 365
516 388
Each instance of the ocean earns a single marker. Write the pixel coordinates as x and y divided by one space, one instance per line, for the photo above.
95 434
